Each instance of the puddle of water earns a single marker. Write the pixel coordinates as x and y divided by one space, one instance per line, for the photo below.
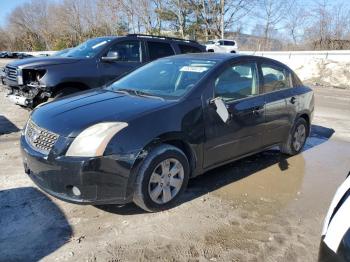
281 202
281 181
310 177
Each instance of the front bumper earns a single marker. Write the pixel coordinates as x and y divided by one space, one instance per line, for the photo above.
2 76
328 255
27 95
101 180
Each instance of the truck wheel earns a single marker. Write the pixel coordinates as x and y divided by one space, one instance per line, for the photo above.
296 138
64 92
161 179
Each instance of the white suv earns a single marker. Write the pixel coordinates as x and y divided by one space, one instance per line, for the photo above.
222 46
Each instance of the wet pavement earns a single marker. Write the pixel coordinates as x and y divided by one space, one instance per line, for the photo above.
267 207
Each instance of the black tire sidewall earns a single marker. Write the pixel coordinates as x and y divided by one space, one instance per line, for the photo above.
156 158
299 122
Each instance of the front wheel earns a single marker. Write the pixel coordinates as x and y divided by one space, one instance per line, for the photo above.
296 139
162 177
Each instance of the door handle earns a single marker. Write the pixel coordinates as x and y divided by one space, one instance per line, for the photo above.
293 100
257 110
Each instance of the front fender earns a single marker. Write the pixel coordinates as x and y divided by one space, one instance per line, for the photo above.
173 124
83 72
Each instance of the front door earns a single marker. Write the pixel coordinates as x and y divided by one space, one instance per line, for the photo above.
130 56
238 86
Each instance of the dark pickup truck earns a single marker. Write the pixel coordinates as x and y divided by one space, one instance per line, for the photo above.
92 64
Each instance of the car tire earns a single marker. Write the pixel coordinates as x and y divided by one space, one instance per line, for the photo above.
64 92
156 187
296 138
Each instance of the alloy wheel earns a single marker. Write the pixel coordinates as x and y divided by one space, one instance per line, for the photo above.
299 137
166 181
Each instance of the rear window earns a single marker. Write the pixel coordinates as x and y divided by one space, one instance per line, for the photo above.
275 78
158 49
189 49
297 82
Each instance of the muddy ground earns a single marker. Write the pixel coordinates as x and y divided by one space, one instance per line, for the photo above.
263 208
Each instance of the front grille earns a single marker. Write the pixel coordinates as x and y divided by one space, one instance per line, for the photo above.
40 139
11 73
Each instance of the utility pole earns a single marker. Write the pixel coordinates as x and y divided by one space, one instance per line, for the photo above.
222 19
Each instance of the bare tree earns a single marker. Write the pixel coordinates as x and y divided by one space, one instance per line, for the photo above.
216 16
329 26
295 23
46 24
272 13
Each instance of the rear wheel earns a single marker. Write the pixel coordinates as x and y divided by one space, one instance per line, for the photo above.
162 177
296 139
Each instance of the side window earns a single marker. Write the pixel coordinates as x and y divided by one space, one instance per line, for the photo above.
159 49
129 51
296 80
237 81
184 49
221 42
275 78
231 43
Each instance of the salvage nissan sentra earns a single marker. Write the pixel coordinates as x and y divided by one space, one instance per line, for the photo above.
141 138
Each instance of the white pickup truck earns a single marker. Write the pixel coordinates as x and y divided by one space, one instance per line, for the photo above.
222 46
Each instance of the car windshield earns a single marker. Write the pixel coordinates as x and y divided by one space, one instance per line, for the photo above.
166 78
87 49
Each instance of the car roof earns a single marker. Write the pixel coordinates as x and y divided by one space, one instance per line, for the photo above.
151 37
209 55
223 57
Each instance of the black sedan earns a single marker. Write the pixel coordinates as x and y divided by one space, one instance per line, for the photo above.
141 138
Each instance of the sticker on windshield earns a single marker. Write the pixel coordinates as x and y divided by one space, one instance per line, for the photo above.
194 69
99 44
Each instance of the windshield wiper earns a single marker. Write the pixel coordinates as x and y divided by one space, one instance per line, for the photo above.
137 93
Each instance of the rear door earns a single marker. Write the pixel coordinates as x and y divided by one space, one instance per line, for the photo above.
228 46
280 107
238 85
131 56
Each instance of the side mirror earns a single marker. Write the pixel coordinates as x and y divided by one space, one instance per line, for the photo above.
221 109
111 56
217 43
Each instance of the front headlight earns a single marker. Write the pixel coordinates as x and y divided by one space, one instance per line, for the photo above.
23 131
19 76
93 141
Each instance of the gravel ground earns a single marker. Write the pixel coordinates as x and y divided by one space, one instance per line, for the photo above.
262 208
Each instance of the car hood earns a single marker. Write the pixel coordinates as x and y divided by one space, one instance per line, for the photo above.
42 61
71 115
